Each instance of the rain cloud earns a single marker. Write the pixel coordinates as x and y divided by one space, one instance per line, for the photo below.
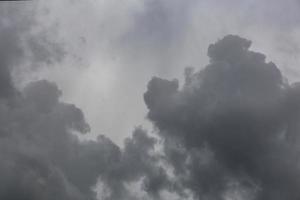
231 131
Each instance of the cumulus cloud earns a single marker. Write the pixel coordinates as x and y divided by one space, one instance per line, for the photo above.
42 158
231 131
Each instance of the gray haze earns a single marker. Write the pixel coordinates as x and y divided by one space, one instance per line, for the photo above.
78 78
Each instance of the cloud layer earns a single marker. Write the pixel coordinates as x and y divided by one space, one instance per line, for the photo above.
229 132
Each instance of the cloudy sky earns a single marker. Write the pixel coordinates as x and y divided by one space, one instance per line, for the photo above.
112 49
149 99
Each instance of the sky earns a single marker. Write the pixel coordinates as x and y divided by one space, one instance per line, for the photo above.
120 46
149 99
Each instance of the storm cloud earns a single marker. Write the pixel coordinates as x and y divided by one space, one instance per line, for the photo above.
42 157
230 131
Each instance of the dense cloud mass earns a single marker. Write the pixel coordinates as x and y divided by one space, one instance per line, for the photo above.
230 132
42 158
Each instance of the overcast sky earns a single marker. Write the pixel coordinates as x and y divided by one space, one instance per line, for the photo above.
74 66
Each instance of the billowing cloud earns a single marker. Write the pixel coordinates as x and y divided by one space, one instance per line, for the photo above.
231 131
42 157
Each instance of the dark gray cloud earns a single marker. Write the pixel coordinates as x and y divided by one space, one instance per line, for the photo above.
231 130
42 158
